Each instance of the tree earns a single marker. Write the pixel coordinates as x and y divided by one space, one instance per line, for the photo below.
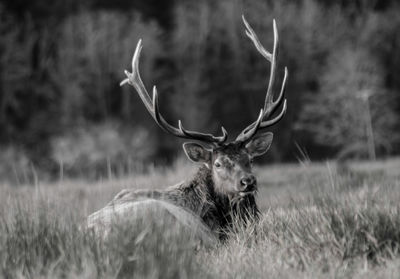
94 48
15 67
352 111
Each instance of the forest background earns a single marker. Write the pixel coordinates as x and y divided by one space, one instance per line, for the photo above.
62 111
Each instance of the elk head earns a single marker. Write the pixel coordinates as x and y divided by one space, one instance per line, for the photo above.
230 163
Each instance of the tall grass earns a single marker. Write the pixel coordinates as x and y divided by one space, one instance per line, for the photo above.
317 221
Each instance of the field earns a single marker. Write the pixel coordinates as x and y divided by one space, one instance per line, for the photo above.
318 221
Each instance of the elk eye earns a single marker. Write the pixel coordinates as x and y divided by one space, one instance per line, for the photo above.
217 164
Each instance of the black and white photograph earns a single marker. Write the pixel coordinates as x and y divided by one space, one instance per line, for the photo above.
199 139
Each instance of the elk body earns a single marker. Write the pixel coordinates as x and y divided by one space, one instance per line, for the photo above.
224 186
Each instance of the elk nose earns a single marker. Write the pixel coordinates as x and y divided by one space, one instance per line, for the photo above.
247 181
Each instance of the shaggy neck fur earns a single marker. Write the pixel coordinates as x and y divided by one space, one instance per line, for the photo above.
217 210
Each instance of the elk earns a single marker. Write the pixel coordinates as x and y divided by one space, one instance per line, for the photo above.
224 186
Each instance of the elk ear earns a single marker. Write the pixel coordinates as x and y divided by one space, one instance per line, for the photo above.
197 153
259 144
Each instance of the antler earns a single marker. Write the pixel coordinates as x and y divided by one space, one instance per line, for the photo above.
270 105
151 105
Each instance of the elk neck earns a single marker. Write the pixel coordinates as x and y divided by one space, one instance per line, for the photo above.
215 208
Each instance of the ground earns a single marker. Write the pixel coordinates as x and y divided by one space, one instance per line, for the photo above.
319 220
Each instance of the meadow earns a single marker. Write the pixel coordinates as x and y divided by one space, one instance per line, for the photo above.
319 220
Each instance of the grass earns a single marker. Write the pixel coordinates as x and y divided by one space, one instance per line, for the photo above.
318 221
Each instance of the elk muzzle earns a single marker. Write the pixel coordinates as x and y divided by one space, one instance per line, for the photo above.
248 183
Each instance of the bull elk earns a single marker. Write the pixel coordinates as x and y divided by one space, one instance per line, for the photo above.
224 185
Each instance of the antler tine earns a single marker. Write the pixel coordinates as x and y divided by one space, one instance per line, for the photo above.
251 133
270 105
200 136
273 107
275 104
181 132
267 55
152 107
254 38
135 80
